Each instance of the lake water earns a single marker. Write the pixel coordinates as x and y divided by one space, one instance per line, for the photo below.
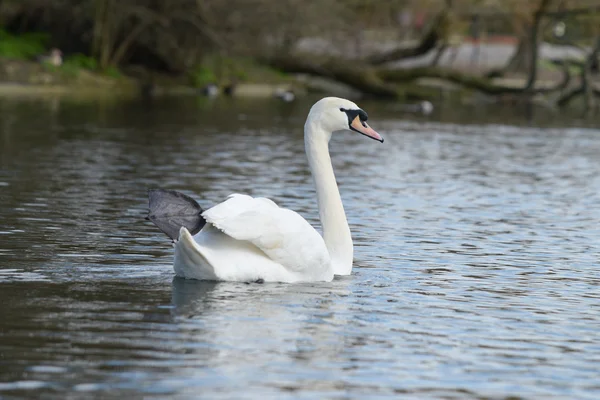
476 274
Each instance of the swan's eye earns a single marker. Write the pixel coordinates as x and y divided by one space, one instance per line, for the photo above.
362 115
356 113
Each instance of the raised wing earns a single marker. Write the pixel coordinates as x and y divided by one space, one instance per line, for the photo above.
170 210
283 235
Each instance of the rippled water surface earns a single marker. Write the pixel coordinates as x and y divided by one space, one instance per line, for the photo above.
476 274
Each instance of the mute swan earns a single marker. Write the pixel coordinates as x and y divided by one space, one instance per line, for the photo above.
252 239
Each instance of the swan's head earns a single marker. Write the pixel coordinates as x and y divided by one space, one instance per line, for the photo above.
334 114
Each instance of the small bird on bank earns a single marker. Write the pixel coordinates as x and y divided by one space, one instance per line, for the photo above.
53 58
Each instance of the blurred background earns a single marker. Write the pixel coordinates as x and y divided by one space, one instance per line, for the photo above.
475 225
510 51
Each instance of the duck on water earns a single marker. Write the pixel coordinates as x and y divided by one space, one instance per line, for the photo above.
251 239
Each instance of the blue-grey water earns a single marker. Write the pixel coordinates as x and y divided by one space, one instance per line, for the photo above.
477 256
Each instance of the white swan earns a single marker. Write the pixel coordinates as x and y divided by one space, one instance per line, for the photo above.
252 239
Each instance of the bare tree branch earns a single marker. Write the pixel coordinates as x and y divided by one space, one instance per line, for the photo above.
427 43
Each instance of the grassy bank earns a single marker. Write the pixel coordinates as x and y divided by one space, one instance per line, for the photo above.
22 71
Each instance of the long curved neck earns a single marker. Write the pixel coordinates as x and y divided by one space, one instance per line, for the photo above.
336 232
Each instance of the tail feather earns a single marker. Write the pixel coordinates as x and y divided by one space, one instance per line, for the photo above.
170 210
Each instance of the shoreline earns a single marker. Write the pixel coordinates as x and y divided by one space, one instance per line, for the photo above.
257 90
27 78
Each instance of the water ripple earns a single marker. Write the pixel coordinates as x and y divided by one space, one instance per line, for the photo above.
476 259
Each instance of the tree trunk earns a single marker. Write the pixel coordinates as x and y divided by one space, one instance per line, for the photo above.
522 60
427 43
589 98
533 51
103 32
519 62
586 87
126 43
438 55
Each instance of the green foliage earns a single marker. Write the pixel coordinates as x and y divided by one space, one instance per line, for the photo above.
113 72
81 61
23 46
574 70
202 76
222 70
77 62
249 70
74 64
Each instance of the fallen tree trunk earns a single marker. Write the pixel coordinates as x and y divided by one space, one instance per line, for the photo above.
473 82
468 81
352 73
381 82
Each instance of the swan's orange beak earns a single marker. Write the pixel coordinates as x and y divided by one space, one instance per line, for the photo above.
362 128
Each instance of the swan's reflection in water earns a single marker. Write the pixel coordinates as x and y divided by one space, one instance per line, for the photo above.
190 297
295 332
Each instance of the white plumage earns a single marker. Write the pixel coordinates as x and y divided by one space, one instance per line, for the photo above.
253 238
249 239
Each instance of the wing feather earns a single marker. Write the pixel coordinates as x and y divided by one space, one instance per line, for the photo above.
283 235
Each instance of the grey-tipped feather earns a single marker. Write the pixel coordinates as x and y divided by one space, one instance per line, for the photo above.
170 210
